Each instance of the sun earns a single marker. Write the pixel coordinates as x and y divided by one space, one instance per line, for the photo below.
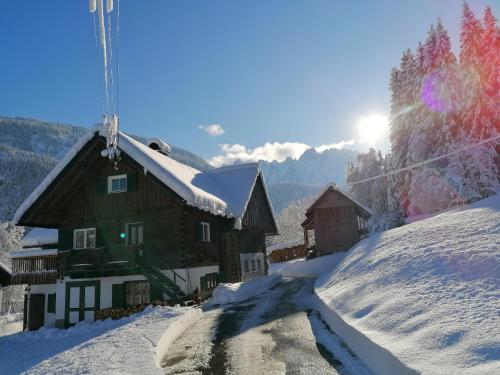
372 128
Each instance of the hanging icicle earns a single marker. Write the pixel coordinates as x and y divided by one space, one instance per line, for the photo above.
92 6
110 131
110 121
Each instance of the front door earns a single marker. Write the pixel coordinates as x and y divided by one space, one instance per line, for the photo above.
82 301
36 312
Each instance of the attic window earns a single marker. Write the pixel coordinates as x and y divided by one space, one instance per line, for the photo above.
117 184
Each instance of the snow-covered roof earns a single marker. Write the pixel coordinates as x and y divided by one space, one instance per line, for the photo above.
40 236
222 191
333 186
5 268
284 245
35 252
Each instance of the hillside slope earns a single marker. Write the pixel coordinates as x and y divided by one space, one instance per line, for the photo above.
428 292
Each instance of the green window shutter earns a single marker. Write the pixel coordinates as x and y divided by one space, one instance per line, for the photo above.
118 296
197 231
66 238
203 283
51 303
155 292
101 188
100 235
132 182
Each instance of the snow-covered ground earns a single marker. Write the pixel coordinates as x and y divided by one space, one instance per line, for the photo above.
125 346
10 324
237 292
427 292
311 268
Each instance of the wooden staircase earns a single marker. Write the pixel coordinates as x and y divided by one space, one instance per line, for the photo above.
152 267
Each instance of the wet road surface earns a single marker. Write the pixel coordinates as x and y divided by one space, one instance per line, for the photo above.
274 333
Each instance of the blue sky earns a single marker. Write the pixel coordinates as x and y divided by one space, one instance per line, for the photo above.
265 71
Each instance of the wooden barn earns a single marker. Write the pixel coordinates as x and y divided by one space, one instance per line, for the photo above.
286 251
337 221
151 229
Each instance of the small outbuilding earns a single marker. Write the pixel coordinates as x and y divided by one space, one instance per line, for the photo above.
337 220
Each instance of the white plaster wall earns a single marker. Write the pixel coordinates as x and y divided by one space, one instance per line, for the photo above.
249 257
49 318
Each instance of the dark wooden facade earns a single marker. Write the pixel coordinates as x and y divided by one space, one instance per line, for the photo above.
77 198
35 270
337 221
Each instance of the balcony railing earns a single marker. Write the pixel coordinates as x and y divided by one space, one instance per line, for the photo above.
41 269
98 260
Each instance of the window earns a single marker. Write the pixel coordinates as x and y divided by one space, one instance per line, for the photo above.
117 184
84 238
134 235
246 267
205 231
137 293
252 262
209 281
258 264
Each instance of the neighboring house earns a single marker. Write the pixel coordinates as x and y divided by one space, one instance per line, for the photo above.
338 221
286 251
151 229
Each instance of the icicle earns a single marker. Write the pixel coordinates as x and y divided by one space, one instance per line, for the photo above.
92 6
109 6
102 30
110 131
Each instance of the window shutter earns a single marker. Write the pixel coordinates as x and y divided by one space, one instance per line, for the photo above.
198 231
132 182
51 303
118 296
203 283
101 187
66 238
100 230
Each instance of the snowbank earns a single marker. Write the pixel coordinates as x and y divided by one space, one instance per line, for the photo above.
237 292
124 346
284 245
426 293
310 268
174 331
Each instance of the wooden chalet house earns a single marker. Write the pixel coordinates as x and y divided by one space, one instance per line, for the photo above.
153 229
337 221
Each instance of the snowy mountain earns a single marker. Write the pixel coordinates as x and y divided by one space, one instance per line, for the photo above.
312 168
295 179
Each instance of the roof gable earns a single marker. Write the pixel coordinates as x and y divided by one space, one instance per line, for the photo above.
223 191
332 188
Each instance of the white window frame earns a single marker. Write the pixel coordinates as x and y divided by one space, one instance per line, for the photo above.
85 244
128 237
205 235
117 177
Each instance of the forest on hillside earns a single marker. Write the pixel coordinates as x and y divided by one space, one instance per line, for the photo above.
442 104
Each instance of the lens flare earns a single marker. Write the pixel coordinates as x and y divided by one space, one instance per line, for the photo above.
372 127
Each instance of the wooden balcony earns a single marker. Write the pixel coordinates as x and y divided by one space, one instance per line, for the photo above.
98 262
41 269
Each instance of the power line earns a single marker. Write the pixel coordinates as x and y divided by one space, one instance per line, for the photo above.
417 165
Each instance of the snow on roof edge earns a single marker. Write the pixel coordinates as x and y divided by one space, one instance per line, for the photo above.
172 173
334 186
32 253
5 268
284 245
